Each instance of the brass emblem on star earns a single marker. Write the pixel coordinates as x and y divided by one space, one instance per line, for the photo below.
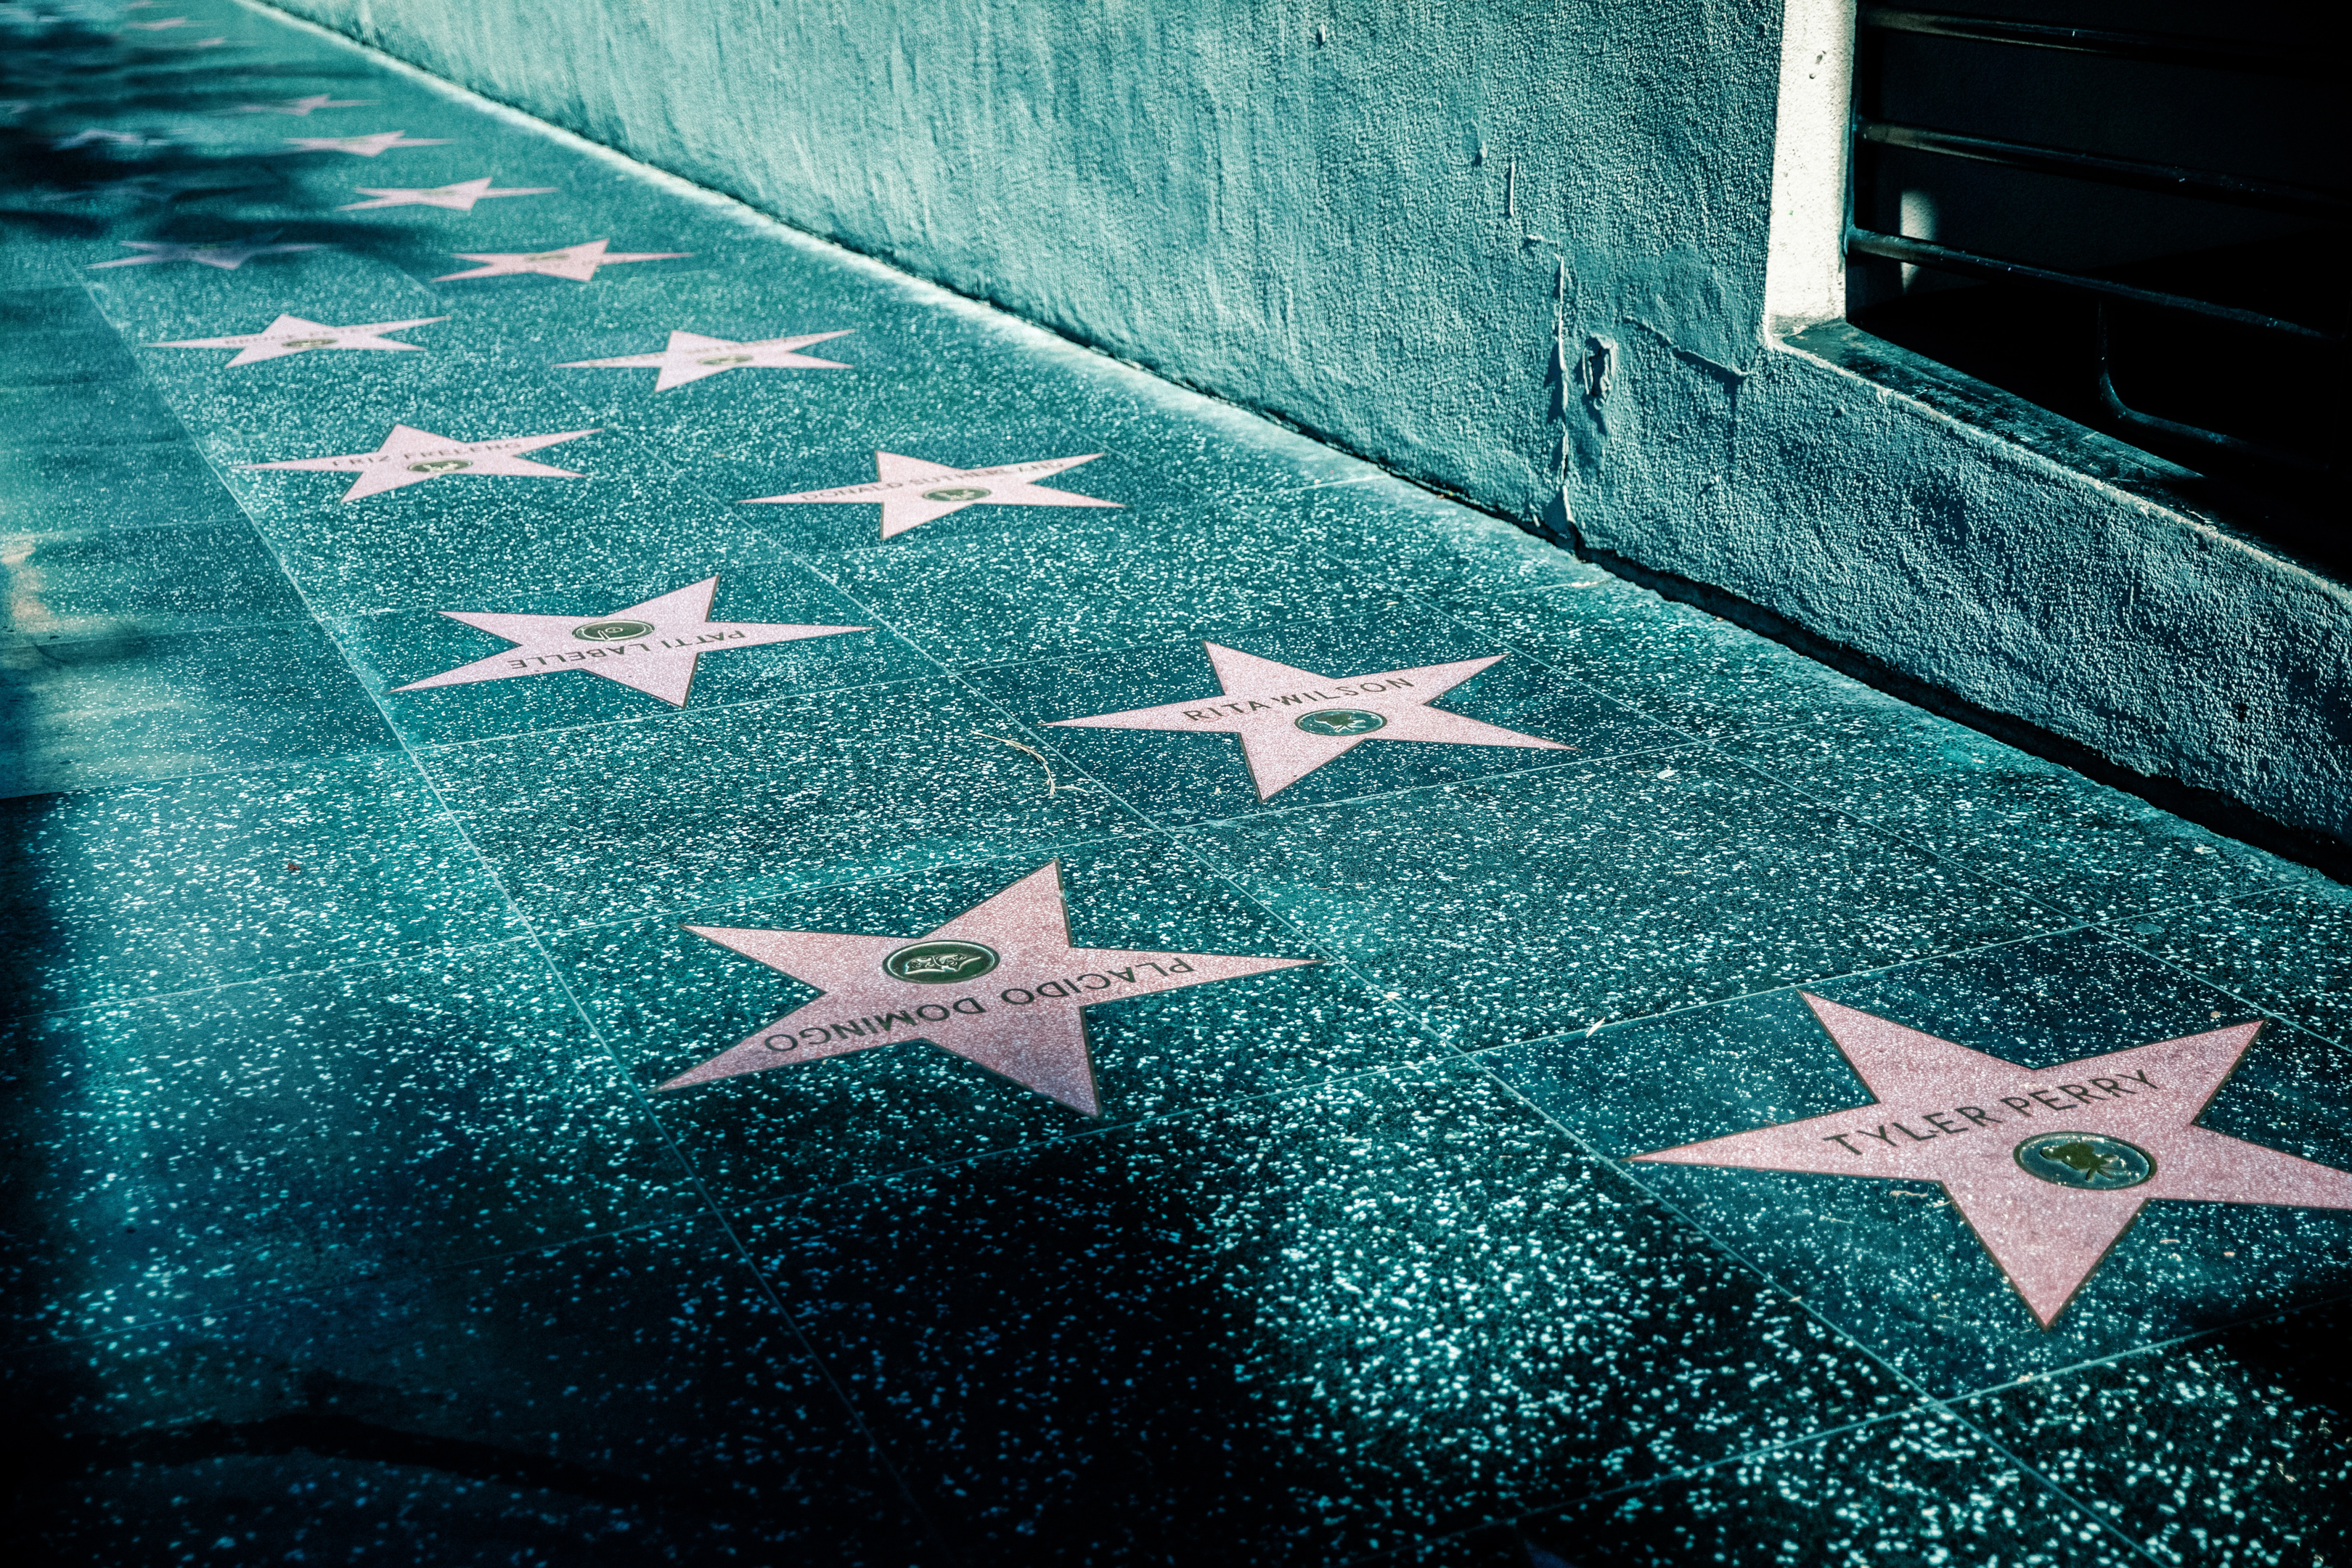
956 492
611 631
939 962
2087 1160
1340 721
439 466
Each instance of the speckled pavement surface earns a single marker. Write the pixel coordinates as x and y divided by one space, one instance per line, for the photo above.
348 1218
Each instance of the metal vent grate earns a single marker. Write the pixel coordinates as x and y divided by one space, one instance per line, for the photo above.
2114 311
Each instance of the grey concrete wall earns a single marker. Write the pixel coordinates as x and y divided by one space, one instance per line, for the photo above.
1514 250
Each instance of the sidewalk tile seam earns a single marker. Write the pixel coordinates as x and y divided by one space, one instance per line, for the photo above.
2120 931
1895 834
2102 928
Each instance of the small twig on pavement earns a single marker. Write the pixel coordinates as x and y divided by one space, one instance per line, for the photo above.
1052 788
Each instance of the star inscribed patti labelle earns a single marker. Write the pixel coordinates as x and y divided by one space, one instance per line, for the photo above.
651 647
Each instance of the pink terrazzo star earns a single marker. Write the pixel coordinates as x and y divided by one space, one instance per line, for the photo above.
912 492
2050 1168
576 262
300 106
293 335
1000 984
691 356
374 145
1292 722
97 138
410 456
227 254
652 647
459 197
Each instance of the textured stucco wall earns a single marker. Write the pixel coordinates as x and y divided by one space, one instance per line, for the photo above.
1514 250
1206 189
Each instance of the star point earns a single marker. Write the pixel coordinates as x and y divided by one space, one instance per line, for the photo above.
653 647
576 262
913 492
94 137
2049 1168
293 335
1000 984
411 457
299 107
459 197
1291 721
692 357
227 254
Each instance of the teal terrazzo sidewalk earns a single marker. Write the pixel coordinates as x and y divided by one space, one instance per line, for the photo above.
358 1210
